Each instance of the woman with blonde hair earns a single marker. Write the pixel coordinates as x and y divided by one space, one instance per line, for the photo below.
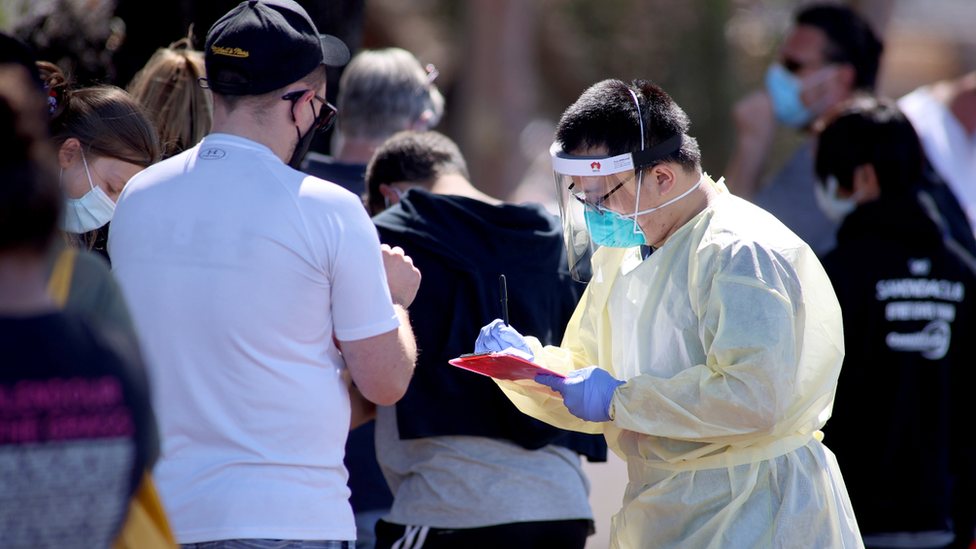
168 87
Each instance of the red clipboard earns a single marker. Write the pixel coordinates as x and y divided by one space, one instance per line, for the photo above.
501 366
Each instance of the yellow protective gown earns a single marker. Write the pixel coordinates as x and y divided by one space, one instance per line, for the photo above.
729 338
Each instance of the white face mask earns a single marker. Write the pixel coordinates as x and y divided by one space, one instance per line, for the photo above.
836 209
92 211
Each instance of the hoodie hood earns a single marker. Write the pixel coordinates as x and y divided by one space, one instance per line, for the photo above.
469 234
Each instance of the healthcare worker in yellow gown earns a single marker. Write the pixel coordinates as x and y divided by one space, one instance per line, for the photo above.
706 347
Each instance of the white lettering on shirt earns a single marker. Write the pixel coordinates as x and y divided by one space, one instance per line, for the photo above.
919 288
932 341
919 310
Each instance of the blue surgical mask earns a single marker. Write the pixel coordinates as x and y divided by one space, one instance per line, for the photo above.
92 211
608 228
784 90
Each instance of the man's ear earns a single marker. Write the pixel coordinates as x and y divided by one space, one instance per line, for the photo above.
387 192
308 102
69 153
662 177
865 183
299 104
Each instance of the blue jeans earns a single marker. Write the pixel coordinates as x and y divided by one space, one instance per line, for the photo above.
268 544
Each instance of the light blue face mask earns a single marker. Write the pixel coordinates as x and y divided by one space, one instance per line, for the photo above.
784 90
609 228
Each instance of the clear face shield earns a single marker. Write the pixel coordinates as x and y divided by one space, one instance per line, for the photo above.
589 189
598 200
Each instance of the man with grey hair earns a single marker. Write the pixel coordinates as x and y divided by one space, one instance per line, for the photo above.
381 92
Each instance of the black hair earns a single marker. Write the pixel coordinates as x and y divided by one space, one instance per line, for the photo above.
606 115
874 131
851 40
411 157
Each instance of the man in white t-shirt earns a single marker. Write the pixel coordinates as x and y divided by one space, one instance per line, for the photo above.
253 287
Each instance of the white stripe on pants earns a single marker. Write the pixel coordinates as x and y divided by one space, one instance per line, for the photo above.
413 538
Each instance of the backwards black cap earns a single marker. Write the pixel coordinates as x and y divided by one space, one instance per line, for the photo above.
263 45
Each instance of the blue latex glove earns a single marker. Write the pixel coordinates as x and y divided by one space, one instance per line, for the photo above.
499 336
587 392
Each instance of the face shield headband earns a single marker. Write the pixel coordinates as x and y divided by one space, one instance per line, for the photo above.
596 166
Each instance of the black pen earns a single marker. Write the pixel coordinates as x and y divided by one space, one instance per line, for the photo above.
504 291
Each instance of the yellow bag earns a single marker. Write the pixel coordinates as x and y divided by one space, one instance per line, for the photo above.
145 526
59 284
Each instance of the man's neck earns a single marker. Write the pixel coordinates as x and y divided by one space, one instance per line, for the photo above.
274 133
239 127
356 151
688 207
824 119
457 185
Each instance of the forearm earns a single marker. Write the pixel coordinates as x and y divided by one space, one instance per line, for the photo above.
382 366
408 350
755 128
361 409
396 377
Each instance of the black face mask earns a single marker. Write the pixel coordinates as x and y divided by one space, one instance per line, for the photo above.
304 141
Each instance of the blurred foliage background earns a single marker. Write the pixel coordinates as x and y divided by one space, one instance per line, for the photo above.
510 67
